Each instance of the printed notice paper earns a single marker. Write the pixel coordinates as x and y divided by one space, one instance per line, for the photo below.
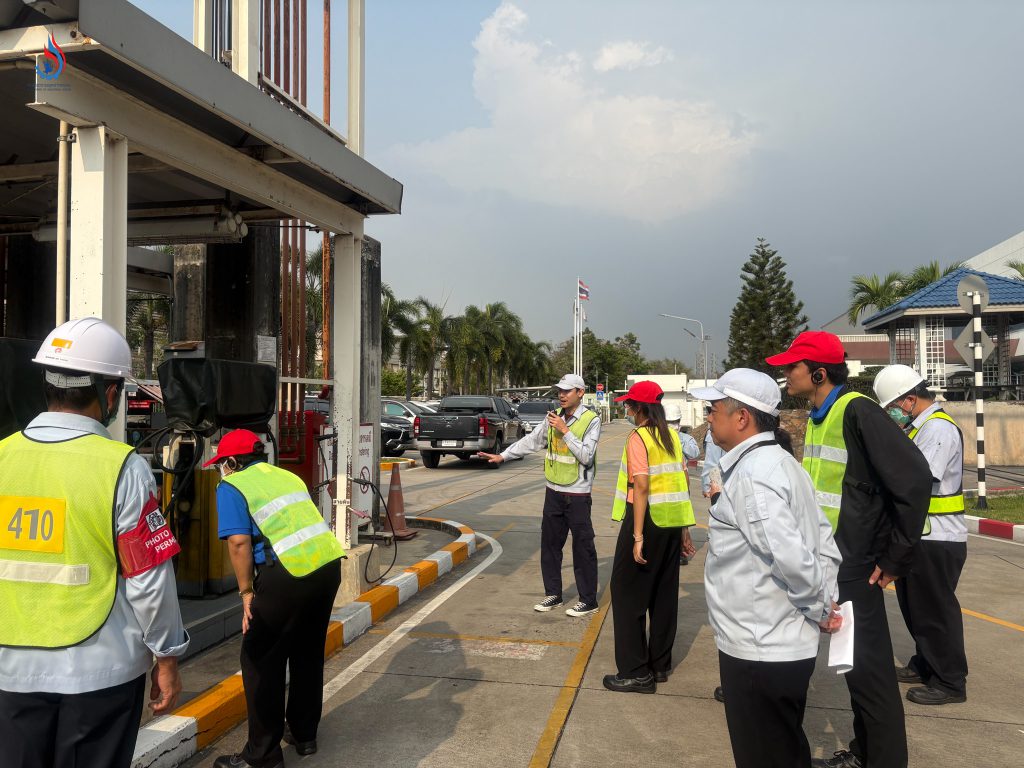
840 646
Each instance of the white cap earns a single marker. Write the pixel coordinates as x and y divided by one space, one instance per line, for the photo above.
672 412
750 387
894 381
88 345
571 381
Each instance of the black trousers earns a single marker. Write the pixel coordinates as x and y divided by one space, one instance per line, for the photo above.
645 592
564 513
71 730
764 708
288 629
928 601
880 734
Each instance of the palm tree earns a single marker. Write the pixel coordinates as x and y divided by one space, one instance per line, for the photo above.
926 274
498 327
434 331
870 291
1018 267
314 311
148 320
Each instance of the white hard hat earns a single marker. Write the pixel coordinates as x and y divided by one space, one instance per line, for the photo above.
672 412
894 381
750 387
88 345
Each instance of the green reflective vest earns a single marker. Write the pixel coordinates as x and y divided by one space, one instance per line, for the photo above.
825 457
951 504
560 466
287 517
668 492
58 561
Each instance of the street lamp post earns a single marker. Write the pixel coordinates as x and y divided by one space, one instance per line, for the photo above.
703 339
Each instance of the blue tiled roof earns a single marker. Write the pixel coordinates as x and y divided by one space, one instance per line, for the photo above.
942 294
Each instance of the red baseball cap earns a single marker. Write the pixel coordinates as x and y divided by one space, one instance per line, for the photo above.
816 346
643 392
237 442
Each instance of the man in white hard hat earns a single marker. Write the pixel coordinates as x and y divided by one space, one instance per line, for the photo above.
927 595
571 440
86 578
674 417
771 573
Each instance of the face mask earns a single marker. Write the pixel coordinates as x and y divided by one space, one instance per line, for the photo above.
899 416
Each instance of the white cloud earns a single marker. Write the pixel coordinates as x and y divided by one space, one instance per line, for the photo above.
557 139
629 55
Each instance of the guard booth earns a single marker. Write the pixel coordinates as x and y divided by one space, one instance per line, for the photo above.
930 331
118 137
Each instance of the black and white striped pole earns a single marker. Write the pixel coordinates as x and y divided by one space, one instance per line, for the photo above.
979 400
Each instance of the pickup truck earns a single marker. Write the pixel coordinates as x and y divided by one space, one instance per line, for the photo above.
465 425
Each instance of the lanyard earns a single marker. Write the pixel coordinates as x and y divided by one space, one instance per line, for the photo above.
728 473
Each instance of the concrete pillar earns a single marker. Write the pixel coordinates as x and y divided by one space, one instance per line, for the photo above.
202 25
188 313
370 356
347 278
245 39
242 294
98 274
922 347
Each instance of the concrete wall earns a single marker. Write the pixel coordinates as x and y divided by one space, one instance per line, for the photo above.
1004 432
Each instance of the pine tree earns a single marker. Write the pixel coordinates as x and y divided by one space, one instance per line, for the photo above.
767 314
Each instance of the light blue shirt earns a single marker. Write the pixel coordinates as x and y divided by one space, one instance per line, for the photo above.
712 455
943 447
145 620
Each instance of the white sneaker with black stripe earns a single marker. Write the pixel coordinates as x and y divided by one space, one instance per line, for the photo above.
582 609
549 602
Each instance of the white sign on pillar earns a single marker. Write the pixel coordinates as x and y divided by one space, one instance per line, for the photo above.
98 274
362 468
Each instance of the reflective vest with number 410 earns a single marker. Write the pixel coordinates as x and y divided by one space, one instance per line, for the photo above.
668 492
58 563
287 517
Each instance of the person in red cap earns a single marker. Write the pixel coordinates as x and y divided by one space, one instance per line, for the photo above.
874 487
286 560
653 503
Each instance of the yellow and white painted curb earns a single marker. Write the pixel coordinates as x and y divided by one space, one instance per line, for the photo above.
169 741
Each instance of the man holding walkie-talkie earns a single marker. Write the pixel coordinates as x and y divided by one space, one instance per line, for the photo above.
571 440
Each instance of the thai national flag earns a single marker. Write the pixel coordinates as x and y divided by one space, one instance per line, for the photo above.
584 291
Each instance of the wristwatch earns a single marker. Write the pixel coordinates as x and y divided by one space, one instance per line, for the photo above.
246 591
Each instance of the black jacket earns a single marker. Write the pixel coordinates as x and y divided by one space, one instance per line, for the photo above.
886 491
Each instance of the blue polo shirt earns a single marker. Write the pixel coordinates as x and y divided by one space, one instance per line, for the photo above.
233 519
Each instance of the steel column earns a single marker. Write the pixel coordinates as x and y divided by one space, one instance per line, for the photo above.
347 331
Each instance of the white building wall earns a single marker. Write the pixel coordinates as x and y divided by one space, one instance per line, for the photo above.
994 260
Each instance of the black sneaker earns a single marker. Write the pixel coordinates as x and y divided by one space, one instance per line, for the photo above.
581 609
236 761
840 759
719 694
549 602
661 677
302 747
630 684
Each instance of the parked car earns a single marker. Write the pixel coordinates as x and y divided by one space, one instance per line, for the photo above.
465 425
395 436
534 412
403 409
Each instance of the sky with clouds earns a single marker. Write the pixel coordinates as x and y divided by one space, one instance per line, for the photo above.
645 146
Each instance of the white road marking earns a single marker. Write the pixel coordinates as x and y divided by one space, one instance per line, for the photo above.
347 675
996 539
488 648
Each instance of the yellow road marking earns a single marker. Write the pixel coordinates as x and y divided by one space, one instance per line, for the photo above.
982 616
483 638
497 535
563 704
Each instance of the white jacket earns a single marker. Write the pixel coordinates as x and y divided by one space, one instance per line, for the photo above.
772 563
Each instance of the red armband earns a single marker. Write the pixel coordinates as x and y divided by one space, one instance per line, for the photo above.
149 544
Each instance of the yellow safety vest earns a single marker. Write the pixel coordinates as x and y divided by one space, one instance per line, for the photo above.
280 506
560 466
669 495
951 504
825 457
58 561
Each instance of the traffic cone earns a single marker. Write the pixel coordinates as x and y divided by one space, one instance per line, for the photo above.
394 520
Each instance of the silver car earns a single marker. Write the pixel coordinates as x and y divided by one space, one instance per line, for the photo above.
535 412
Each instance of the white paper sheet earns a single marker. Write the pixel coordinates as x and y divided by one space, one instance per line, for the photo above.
840 646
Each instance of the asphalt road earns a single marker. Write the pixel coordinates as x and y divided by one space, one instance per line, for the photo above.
466 673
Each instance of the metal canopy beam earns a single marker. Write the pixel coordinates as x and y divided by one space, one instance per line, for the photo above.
88 101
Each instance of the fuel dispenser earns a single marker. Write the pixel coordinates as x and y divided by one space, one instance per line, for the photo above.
203 397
